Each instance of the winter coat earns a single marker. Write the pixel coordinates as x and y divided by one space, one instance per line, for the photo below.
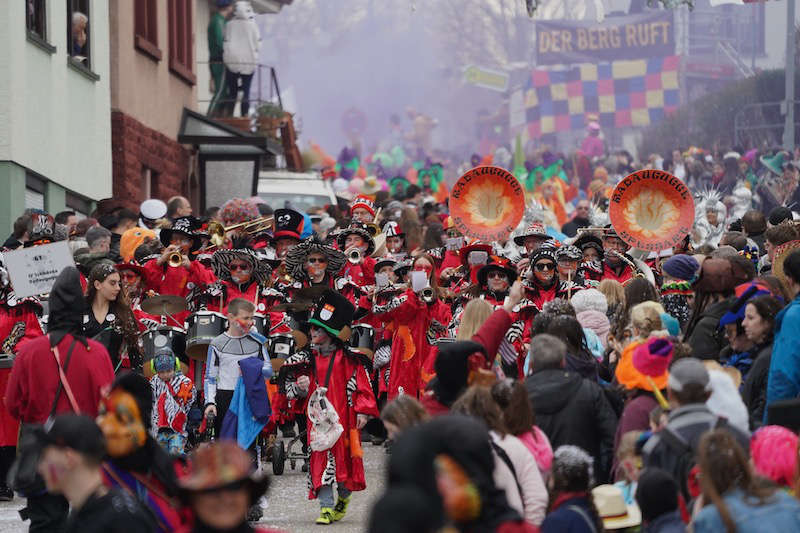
539 446
414 325
573 410
754 388
524 487
666 523
178 281
780 513
784 368
571 515
705 338
635 415
242 43
34 379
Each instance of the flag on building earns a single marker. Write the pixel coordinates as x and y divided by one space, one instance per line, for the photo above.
621 93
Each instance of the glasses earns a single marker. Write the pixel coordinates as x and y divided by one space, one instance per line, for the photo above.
544 267
129 275
313 260
239 267
496 274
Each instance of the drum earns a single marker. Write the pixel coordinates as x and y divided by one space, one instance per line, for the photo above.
362 339
6 360
261 323
281 347
153 339
202 327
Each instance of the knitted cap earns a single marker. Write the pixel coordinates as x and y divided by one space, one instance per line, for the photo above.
682 267
653 357
589 299
774 453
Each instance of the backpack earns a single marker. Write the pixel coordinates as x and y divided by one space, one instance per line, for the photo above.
686 469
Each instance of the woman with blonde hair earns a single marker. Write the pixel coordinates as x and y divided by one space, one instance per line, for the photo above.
615 296
645 322
475 314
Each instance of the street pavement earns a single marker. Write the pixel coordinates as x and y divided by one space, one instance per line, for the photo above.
286 507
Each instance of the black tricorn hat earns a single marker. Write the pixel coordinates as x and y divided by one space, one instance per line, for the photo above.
334 313
187 226
288 223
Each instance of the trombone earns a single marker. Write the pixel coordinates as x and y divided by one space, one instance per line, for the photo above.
217 231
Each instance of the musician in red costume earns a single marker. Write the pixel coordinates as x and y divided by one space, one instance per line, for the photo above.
19 323
362 210
359 271
344 375
448 257
615 264
311 263
416 321
163 278
288 228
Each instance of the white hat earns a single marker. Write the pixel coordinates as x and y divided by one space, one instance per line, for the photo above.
153 209
611 506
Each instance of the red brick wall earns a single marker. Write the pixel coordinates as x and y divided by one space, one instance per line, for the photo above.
134 146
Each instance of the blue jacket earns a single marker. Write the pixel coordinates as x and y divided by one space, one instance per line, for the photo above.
783 380
567 519
249 410
666 523
781 513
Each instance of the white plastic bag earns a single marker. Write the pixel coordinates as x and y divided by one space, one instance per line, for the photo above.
325 427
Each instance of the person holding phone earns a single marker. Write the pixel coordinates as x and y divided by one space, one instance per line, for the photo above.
416 318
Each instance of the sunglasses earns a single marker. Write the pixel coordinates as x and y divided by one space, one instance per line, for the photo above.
496 274
544 267
313 260
239 267
129 275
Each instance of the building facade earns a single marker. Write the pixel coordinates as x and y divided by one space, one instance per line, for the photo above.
55 126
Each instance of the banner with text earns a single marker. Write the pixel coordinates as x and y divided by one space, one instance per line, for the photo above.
564 42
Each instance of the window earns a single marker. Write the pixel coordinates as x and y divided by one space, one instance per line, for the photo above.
181 39
78 32
79 204
36 18
146 27
149 183
34 191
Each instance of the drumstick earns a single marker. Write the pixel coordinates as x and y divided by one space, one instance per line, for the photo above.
569 284
255 298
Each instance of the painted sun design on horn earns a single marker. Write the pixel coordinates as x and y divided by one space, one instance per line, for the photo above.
488 204
651 214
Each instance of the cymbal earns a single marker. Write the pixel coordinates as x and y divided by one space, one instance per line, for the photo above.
309 293
163 304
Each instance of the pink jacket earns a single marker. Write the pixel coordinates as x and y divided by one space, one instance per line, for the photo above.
527 494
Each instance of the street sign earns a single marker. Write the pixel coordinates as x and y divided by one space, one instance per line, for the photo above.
486 78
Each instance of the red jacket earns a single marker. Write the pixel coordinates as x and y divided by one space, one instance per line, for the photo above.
34 379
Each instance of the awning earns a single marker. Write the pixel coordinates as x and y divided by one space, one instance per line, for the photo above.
215 138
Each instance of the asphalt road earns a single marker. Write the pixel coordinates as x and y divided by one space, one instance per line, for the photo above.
286 506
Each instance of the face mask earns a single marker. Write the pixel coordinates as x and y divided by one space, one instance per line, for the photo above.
121 422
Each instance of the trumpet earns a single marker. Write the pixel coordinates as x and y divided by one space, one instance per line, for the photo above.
175 259
217 231
427 295
354 256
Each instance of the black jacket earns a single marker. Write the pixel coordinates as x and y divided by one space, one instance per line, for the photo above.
573 410
114 512
706 339
570 229
754 388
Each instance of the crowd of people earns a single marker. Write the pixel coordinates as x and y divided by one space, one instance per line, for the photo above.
555 380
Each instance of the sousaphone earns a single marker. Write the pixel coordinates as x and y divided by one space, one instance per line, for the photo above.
487 203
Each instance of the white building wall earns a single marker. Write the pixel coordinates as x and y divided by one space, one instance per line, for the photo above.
54 120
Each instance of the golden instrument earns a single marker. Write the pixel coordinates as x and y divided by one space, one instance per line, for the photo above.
175 259
164 304
217 231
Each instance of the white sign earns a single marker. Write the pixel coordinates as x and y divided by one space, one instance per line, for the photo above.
34 270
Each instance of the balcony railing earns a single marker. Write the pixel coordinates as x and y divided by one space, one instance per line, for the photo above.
264 90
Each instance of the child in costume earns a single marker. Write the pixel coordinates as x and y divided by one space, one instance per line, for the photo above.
173 396
343 374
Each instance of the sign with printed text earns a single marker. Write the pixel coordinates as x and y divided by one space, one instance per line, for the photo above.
487 203
564 42
651 210
486 78
34 270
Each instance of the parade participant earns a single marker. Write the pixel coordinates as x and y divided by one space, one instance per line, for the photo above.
448 256
135 462
416 319
395 240
109 318
19 323
73 448
544 286
220 487
151 211
31 394
132 276
581 219
591 246
359 271
224 354
164 277
362 210
711 222
532 238
616 264
311 263
132 239
341 376
495 280
173 396
472 257
568 260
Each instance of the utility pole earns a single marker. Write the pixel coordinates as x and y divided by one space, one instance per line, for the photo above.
788 127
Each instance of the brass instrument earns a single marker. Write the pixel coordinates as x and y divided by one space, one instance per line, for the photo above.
427 295
175 259
217 231
354 256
